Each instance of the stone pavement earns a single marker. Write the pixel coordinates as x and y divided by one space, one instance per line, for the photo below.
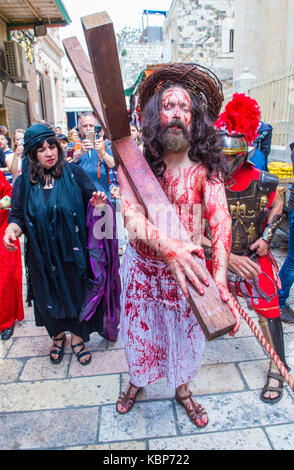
68 406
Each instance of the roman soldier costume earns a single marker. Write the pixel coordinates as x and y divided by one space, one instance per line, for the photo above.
250 195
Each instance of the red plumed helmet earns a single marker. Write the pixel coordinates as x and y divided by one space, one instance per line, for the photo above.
241 116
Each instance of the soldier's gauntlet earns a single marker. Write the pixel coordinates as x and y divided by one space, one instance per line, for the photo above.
270 228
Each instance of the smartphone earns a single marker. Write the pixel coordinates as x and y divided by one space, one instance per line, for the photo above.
98 129
70 153
90 135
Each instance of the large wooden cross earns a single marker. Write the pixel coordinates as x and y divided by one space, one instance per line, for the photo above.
101 81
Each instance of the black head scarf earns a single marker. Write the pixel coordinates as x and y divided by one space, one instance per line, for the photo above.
35 134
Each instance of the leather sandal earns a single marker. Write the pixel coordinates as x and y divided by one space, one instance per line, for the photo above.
126 400
7 333
197 413
267 388
59 351
81 353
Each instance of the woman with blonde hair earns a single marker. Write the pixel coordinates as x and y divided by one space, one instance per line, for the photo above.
74 143
17 139
17 148
73 136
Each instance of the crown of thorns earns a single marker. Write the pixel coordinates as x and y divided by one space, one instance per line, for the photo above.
195 78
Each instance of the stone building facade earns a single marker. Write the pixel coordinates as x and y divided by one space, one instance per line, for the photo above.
142 46
30 64
13 96
38 95
264 36
48 53
202 31
264 64
137 57
75 100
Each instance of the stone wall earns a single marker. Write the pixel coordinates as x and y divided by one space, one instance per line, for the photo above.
137 57
198 31
264 35
48 61
264 45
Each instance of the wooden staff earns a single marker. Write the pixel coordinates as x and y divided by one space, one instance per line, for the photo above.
265 344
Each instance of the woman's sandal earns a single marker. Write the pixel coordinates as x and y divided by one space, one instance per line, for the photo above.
59 351
197 414
126 400
267 388
81 354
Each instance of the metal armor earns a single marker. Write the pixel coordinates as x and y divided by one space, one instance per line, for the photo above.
248 211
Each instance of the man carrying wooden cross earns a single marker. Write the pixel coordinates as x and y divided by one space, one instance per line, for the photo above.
161 335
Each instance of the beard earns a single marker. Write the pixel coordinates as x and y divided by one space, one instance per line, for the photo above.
174 137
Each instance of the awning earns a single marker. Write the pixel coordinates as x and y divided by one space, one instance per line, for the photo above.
134 88
76 104
153 12
22 14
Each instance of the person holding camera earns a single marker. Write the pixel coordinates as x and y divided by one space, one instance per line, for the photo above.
95 154
17 147
8 158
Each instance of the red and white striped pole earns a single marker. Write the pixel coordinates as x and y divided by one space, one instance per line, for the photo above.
271 352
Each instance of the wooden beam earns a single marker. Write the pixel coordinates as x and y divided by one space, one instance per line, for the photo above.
102 48
213 315
33 10
84 72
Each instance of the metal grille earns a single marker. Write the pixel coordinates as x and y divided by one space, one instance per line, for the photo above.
275 96
17 113
11 57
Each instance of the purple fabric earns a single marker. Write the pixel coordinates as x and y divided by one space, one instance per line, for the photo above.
103 292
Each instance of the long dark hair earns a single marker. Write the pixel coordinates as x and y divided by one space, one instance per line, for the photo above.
204 142
36 171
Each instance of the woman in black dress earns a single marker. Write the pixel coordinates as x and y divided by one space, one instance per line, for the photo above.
49 205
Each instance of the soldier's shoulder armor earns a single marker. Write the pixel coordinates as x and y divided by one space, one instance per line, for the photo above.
268 181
